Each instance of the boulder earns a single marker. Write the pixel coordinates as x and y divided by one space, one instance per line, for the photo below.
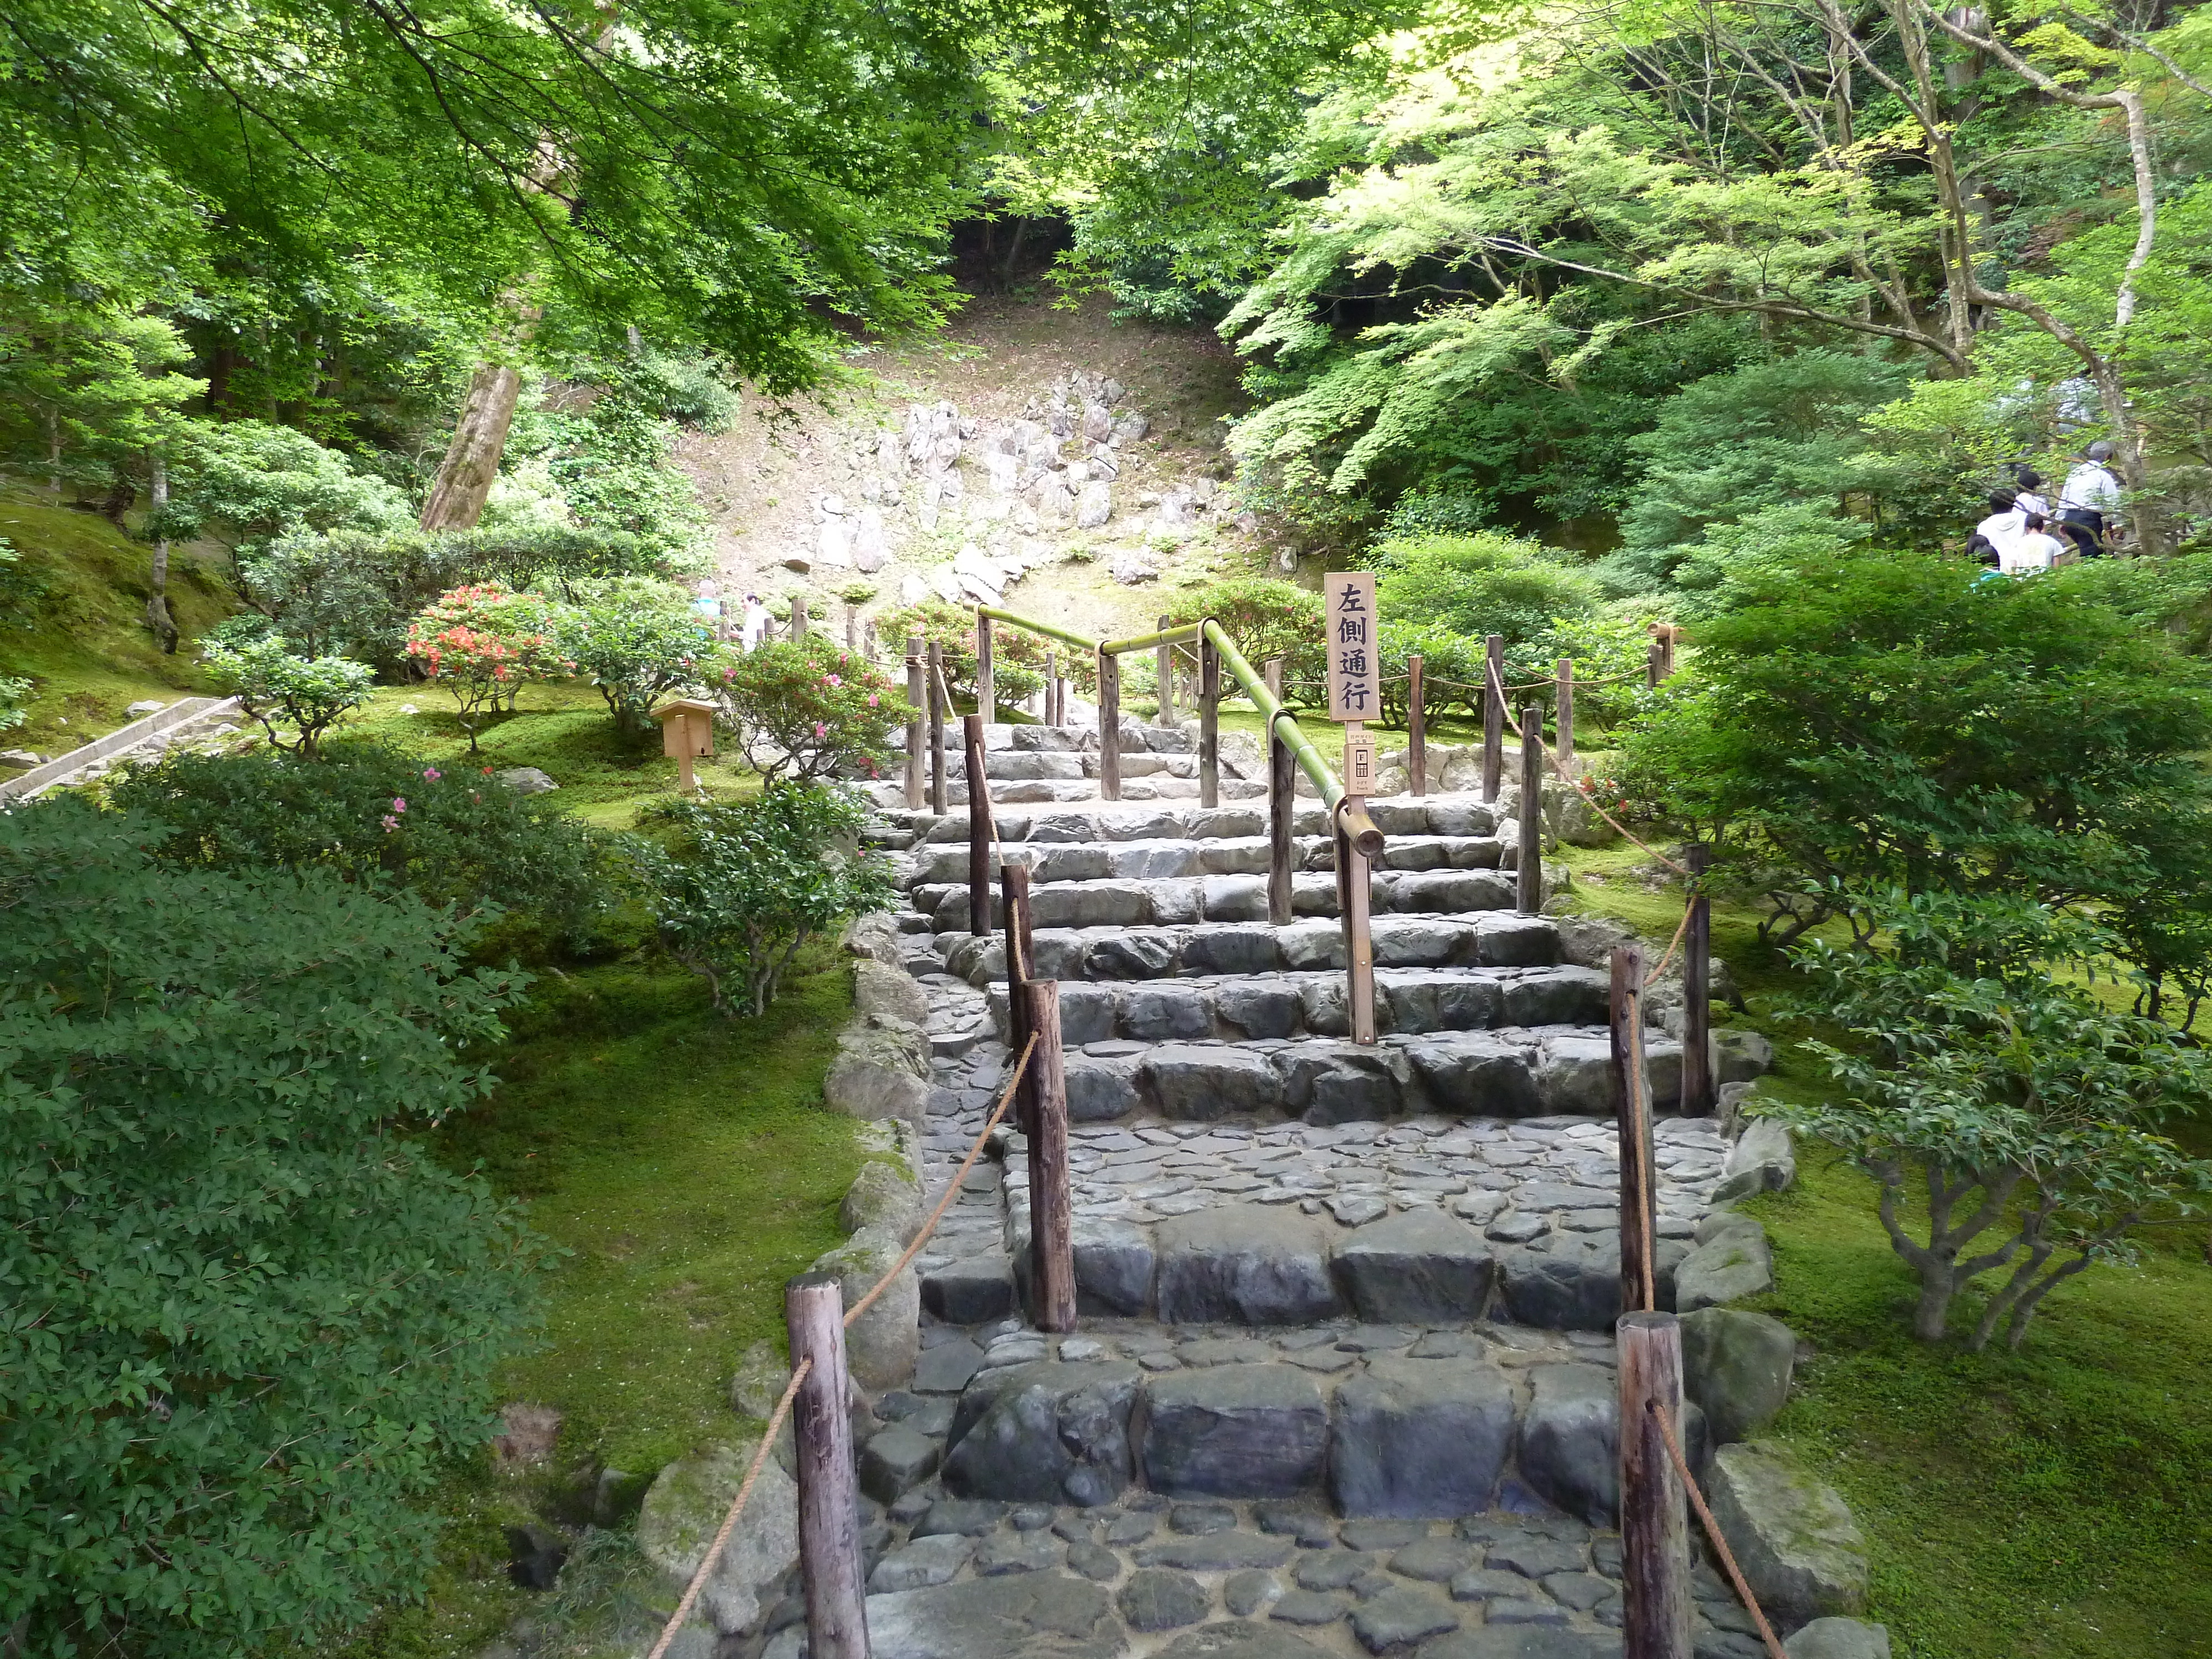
1197 1084
1741 1056
1763 1160
888 992
1737 1365
1099 1088
1133 570
1094 505
526 780
1839 1638
1161 1598
1420 1437
1022 1616
1047 1432
881 1071
1113 1264
884 1194
1800 1551
1419 1267
1727 1264
972 1289
1247 1264
1330 1084
883 1343
1570 1440
895 1460
1235 1431
684 1508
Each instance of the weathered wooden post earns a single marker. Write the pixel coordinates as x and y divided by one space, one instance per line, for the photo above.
986 673
1529 878
1271 676
1698 1095
1052 1245
1282 805
1354 831
1655 664
829 1497
1416 727
1562 751
979 830
1493 717
1165 669
1655 1521
869 648
1014 886
937 795
1109 726
798 616
1639 1267
917 719
1051 688
1209 723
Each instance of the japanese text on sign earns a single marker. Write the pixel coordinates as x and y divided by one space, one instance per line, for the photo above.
1355 659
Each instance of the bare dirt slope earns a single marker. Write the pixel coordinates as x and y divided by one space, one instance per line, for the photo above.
1054 459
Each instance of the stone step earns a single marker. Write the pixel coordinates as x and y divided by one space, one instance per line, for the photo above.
1495 939
1238 1006
1448 815
941 862
1132 903
1015 764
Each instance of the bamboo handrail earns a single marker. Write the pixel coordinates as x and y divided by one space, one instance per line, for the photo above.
1064 635
1153 640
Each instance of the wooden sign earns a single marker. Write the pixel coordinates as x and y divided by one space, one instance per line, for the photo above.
1355 665
1359 764
687 728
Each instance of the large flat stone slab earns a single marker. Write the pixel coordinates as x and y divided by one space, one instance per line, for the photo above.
1247 1264
1048 1432
1420 1437
1420 1267
1030 1615
1235 1431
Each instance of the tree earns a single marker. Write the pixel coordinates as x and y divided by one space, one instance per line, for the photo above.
1479 584
635 644
1980 1074
258 1317
309 695
484 643
806 710
743 888
1266 618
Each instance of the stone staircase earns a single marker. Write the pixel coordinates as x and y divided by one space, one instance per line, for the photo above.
1027 765
1344 1380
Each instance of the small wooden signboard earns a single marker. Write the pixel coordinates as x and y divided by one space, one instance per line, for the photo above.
1355 664
687 731
1359 763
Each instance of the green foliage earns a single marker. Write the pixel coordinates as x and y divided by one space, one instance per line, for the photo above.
87 390
1016 654
1979 1071
382 820
262 1315
484 643
1479 584
1265 618
1896 720
743 888
636 642
255 481
807 709
13 692
310 695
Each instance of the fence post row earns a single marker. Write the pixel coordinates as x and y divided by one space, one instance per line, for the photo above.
979 830
1493 717
1632 1103
1416 727
1563 750
916 719
987 677
1530 876
1109 726
938 797
1655 1521
1165 670
1209 722
1698 1094
829 1496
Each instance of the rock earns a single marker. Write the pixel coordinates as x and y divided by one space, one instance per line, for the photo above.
1736 1366
924 1562
1239 1641
1235 1431
1730 1265
526 780
895 1460
1133 570
1569 1445
1839 1638
1245 1263
1113 1264
1160 1598
685 1507
883 1195
970 1291
881 1071
1397 1618
969 1518
882 1345
1742 1056
886 991
1196 1084
1249 1592
148 706
1420 1267
1799 1549
19 758
1222 1552
1499 1641
1420 1437
1099 1090
946 1368
1028 1615
1763 1160
1049 1433
760 1382
1094 505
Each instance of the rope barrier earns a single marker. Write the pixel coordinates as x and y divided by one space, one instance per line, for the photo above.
1674 944
1713 1532
1679 869
730 1520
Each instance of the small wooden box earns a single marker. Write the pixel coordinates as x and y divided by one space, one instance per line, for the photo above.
687 728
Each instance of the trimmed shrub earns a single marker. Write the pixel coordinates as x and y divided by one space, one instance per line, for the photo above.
807 709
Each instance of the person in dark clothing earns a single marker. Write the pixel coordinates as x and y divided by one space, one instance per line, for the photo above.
2089 503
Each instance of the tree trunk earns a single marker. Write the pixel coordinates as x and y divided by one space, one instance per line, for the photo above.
1932 1317
157 579
54 450
465 476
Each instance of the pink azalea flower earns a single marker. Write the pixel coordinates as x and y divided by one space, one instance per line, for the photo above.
872 700
432 774
832 680
390 824
398 805
820 730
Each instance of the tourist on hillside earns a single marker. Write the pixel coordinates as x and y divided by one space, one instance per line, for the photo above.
1994 537
2029 496
2089 503
755 623
2036 549
707 605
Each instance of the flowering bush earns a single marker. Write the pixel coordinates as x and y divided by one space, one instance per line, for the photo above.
483 644
807 709
308 695
1017 655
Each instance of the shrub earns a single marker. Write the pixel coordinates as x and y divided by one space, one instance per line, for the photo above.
14 694
369 815
1267 618
1979 1074
1016 654
309 694
741 887
483 644
257 1319
1479 585
636 643
807 709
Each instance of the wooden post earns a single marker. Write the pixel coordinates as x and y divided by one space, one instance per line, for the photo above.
1655 1521
1209 723
1493 717
917 719
937 791
1352 898
868 647
1282 803
1416 727
1562 751
829 1497
1271 676
1051 686
1021 967
1698 1095
1052 1246
979 831
1655 664
1639 1269
853 628
986 673
1529 883
798 616
1165 670
1109 726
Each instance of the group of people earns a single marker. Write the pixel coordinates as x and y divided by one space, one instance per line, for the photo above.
2024 532
751 625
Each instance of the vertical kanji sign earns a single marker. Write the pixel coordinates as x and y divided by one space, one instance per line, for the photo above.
1355 665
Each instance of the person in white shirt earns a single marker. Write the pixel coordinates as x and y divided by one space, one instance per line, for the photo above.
2029 497
2089 502
756 623
2037 549
1994 537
